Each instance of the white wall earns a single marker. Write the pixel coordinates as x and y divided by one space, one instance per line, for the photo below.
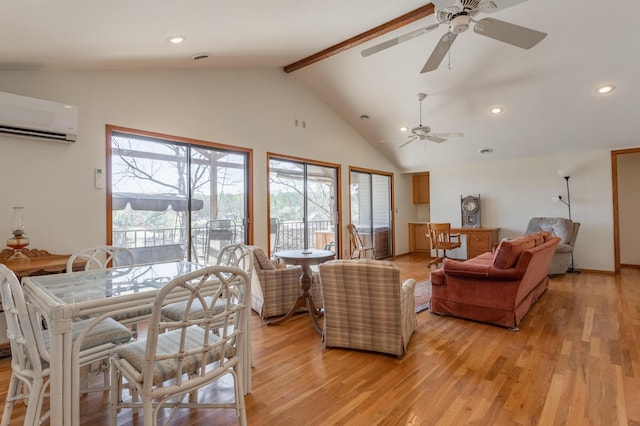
513 191
248 108
257 109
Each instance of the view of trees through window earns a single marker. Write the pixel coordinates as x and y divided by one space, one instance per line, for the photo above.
171 198
303 204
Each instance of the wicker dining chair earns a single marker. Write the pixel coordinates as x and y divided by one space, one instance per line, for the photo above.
177 358
101 257
30 349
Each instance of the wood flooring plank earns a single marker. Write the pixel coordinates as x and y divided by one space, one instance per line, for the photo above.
575 361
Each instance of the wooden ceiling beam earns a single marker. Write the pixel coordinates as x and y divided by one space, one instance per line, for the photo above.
394 24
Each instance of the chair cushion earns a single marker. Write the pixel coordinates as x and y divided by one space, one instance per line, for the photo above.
107 331
168 343
262 259
175 311
508 252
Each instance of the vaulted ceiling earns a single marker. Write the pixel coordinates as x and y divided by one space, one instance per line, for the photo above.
547 92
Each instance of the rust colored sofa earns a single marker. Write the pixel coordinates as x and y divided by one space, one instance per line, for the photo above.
497 287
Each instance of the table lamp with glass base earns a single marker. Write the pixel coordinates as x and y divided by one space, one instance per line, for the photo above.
19 241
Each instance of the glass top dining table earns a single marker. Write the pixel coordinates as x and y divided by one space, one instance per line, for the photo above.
96 294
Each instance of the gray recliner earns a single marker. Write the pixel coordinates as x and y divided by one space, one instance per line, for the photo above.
567 230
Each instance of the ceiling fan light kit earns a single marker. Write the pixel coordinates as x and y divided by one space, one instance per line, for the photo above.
459 14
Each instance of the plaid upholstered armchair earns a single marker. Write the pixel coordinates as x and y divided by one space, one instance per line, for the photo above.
366 306
275 288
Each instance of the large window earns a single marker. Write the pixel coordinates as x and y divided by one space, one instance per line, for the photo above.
303 204
175 198
371 209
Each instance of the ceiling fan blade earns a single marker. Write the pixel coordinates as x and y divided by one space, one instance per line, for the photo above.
512 34
491 6
448 135
439 52
434 138
408 142
389 43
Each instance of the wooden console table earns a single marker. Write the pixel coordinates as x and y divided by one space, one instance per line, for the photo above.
38 262
479 240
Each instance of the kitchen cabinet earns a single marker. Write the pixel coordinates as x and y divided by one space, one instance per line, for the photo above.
421 188
419 241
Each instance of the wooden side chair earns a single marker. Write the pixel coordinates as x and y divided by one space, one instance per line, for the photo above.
358 249
442 239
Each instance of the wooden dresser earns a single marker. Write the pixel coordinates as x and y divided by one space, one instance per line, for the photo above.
479 240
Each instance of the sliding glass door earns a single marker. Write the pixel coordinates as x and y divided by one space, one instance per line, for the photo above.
303 205
371 210
175 199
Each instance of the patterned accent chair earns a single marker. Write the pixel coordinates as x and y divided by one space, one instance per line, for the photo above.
275 287
366 306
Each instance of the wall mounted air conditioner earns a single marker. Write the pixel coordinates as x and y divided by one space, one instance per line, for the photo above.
36 118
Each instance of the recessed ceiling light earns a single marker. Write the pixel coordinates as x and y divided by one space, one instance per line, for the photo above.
364 117
497 110
176 39
201 57
486 151
404 129
607 88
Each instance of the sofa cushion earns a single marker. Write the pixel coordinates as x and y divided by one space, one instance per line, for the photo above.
508 252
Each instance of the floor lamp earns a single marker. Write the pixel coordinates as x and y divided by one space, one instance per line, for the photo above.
566 175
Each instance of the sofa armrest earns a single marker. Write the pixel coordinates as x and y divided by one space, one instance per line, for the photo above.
408 317
407 292
288 274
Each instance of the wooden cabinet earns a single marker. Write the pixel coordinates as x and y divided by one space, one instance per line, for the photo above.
421 188
419 242
479 240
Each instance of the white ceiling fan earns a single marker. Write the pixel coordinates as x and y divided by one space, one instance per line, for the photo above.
459 14
421 132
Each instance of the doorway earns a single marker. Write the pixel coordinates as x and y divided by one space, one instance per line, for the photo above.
624 169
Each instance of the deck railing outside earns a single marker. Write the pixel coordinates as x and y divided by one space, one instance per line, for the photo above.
290 237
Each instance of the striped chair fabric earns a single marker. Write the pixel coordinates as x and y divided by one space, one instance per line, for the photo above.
275 288
366 306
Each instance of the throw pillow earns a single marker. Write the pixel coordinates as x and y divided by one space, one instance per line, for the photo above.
508 252
262 259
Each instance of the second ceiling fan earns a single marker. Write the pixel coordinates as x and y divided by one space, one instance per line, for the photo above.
459 14
421 132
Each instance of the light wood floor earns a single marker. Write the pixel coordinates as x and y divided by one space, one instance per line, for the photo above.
575 361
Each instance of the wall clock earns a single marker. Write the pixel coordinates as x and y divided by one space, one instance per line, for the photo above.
470 207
